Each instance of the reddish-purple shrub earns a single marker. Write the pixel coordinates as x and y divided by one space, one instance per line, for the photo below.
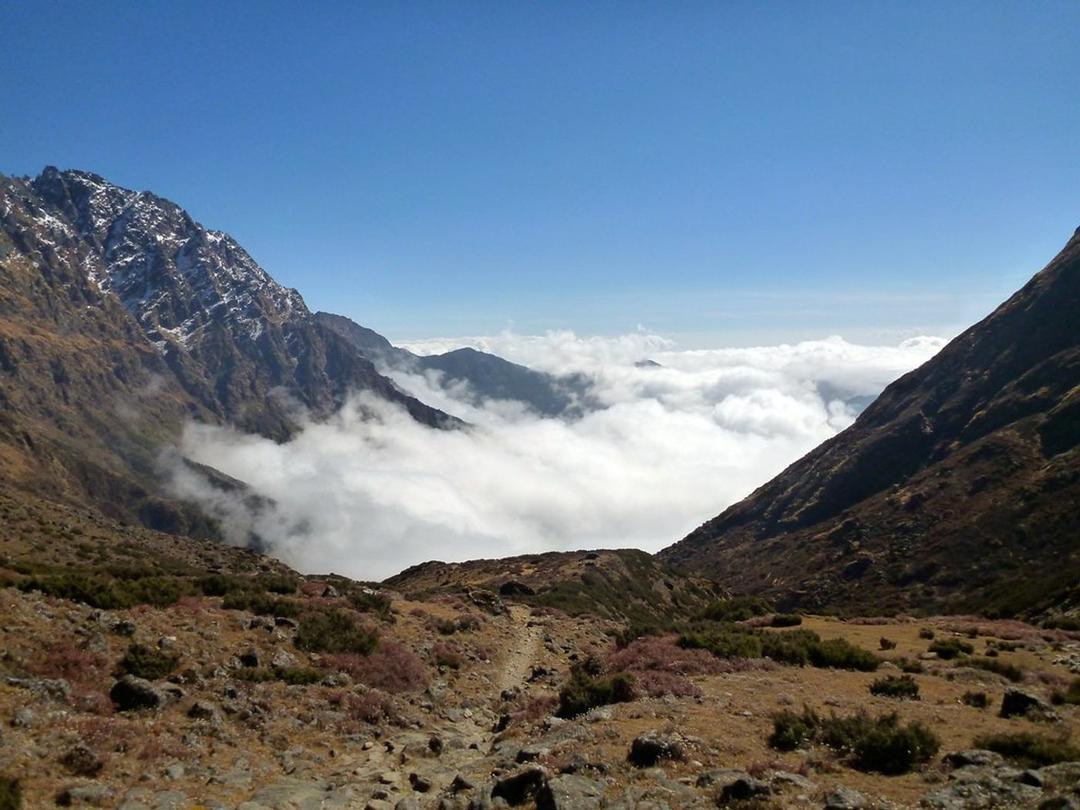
371 707
390 667
663 654
657 683
81 668
447 655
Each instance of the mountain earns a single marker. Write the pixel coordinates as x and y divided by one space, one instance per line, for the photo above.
121 318
487 376
957 488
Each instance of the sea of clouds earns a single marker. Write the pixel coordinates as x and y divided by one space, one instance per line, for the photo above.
370 491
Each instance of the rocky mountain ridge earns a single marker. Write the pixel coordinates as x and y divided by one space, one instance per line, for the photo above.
956 487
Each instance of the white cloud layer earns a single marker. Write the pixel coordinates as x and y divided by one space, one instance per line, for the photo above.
675 445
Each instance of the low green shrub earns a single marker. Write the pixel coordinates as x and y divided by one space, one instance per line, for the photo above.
334 631
793 647
736 609
978 700
880 744
903 687
108 592
1030 750
926 633
221 584
11 795
147 662
282 584
1068 696
950 648
368 601
584 692
261 604
910 665
785 620
1010 671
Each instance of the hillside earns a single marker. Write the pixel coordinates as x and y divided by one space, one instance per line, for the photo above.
486 376
120 319
956 488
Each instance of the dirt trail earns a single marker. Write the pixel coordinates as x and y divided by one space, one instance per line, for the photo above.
518 665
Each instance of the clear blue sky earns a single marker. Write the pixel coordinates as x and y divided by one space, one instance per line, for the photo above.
734 172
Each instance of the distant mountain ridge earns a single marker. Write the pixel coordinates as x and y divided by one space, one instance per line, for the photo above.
957 488
487 376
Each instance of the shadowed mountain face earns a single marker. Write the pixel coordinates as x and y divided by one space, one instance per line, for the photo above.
486 376
956 488
121 318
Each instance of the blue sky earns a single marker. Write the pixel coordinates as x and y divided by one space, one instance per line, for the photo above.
723 172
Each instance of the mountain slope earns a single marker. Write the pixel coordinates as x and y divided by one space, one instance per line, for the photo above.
955 488
487 376
120 319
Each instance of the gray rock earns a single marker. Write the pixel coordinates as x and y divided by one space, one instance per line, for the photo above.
1017 702
44 688
1063 776
845 798
24 718
124 627
650 748
131 693
378 804
743 789
518 787
569 792
283 659
787 778
86 795
981 788
249 658
203 710
720 777
408 803
975 756
82 761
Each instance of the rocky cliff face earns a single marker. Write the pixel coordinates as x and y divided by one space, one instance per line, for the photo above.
956 487
121 317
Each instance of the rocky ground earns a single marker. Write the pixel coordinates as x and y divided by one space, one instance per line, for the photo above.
463 716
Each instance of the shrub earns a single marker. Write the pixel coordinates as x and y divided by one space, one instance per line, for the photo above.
794 647
791 730
657 683
978 700
334 631
66 659
896 686
1010 671
736 609
371 707
910 665
926 633
878 744
585 692
10 793
146 662
220 584
1071 695
108 592
1030 750
886 643
785 620
447 655
890 748
366 600
390 667
261 604
951 648
664 655
277 583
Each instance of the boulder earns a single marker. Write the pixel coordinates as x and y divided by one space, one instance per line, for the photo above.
650 748
131 693
569 792
1017 702
845 798
520 786
743 789
976 756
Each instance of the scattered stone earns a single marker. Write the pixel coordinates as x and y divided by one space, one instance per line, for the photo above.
283 659
435 746
783 778
531 753
569 792
124 627
202 710
845 798
56 689
24 717
460 784
90 795
419 783
249 658
720 777
408 803
742 789
648 749
976 756
131 693
1017 702
981 787
518 787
